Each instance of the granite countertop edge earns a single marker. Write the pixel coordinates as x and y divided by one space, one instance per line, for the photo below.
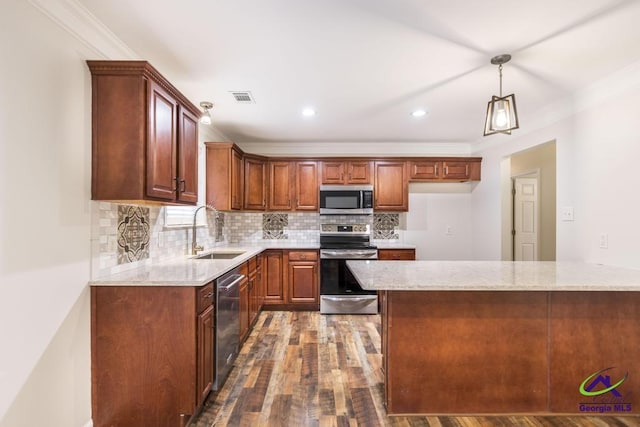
186 270
492 276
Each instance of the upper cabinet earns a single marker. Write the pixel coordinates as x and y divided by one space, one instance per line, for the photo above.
224 176
391 190
454 170
293 185
346 172
255 183
144 136
307 191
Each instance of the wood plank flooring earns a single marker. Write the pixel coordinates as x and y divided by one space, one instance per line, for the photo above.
307 369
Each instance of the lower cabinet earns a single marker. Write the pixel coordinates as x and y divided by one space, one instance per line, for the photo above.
244 309
396 254
292 279
303 277
152 353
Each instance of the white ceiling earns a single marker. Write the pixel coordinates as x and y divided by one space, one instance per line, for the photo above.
364 65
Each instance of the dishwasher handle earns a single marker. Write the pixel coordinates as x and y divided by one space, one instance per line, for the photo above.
222 286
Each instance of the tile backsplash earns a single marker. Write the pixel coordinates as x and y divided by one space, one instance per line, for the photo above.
126 236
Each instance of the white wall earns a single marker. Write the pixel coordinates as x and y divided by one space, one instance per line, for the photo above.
45 225
597 152
439 221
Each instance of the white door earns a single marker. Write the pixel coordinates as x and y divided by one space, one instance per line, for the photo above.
526 203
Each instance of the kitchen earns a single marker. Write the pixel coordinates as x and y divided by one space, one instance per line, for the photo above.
47 258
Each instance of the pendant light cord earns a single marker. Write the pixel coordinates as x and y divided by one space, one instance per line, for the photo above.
500 70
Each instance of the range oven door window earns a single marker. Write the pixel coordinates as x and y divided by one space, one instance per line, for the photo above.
336 279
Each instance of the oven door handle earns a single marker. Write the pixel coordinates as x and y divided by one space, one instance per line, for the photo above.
324 253
352 299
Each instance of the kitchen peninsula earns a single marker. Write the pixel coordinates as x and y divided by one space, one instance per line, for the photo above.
490 337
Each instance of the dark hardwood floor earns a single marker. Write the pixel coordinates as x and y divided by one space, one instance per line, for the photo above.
308 369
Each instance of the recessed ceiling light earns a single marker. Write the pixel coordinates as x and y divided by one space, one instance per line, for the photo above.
419 113
308 112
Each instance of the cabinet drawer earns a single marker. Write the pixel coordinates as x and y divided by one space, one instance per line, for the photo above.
204 297
253 264
397 254
303 256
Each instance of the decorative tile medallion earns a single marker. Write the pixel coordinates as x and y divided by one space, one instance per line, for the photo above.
219 226
273 226
384 225
133 233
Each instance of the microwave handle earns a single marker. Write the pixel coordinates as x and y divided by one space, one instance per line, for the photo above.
361 200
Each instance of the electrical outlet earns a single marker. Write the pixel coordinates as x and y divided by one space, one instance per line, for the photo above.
567 213
604 241
449 230
112 244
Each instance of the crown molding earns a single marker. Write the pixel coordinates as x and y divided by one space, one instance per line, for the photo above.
74 18
359 148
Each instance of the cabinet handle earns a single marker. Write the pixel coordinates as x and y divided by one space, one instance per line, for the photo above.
175 178
209 295
436 170
446 170
341 177
184 186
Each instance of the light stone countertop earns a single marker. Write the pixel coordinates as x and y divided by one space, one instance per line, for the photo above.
188 271
492 276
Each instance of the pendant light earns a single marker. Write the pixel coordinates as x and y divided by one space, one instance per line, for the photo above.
502 116
205 118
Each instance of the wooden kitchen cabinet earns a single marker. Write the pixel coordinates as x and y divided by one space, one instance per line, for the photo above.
391 189
144 136
224 176
454 170
396 254
281 175
275 289
346 172
306 188
152 353
293 185
255 288
303 277
244 308
255 183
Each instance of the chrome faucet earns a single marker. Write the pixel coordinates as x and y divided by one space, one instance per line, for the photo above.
194 246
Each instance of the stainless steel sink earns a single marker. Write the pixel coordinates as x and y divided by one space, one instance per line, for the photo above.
220 255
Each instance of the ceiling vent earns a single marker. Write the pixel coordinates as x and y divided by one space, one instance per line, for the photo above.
243 97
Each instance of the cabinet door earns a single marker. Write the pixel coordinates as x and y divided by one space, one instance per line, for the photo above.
425 170
455 171
236 180
280 184
244 308
397 254
205 354
260 280
358 172
255 179
187 157
274 287
391 191
307 190
332 172
303 282
161 144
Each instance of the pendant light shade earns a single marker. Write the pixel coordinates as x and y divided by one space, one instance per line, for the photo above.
502 115
205 118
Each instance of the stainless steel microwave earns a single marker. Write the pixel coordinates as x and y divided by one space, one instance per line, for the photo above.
346 199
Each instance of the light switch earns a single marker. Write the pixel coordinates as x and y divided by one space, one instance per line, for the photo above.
604 241
567 213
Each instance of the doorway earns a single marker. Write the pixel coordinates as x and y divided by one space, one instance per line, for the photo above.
533 215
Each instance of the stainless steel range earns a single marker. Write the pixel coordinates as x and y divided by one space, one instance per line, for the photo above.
340 293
